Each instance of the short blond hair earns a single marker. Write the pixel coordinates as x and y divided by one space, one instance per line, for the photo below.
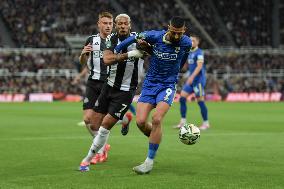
105 14
123 16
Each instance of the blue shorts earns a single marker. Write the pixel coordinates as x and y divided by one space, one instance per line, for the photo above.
197 89
153 93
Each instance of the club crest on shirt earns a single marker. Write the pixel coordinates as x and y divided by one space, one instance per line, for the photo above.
177 49
108 44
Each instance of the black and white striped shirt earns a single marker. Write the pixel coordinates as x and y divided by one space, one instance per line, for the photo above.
98 70
123 75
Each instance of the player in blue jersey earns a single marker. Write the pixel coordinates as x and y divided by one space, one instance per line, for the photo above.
170 51
195 83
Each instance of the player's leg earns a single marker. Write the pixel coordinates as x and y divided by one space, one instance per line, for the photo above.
146 102
99 112
125 122
132 109
199 93
87 117
93 90
102 136
187 89
154 139
124 103
92 157
143 111
164 99
157 118
117 105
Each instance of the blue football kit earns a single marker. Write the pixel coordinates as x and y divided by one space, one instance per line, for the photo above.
199 82
165 63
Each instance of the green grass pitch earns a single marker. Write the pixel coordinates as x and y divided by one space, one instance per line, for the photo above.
41 147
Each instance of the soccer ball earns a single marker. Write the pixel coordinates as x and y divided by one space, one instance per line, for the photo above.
189 134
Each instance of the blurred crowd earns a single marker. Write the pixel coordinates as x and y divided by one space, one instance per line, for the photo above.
248 21
245 73
32 62
27 85
282 20
227 73
35 23
20 73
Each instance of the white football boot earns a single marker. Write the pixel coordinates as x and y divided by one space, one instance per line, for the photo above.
144 168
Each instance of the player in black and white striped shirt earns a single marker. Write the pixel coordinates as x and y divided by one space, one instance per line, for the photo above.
117 94
92 55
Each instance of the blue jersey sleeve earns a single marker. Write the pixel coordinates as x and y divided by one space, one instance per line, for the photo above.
125 43
185 57
183 60
199 55
149 36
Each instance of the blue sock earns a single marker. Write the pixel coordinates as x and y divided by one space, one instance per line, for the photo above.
203 110
182 102
152 150
132 109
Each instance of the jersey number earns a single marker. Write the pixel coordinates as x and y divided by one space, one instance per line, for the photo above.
169 91
123 107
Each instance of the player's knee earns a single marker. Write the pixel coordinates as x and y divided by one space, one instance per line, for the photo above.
200 99
184 94
156 120
140 122
87 119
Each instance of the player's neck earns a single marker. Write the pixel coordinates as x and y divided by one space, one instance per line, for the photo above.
102 35
123 37
194 48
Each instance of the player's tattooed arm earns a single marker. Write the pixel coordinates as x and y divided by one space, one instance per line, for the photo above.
113 58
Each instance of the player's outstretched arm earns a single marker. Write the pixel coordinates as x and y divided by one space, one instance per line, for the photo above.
113 58
125 43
